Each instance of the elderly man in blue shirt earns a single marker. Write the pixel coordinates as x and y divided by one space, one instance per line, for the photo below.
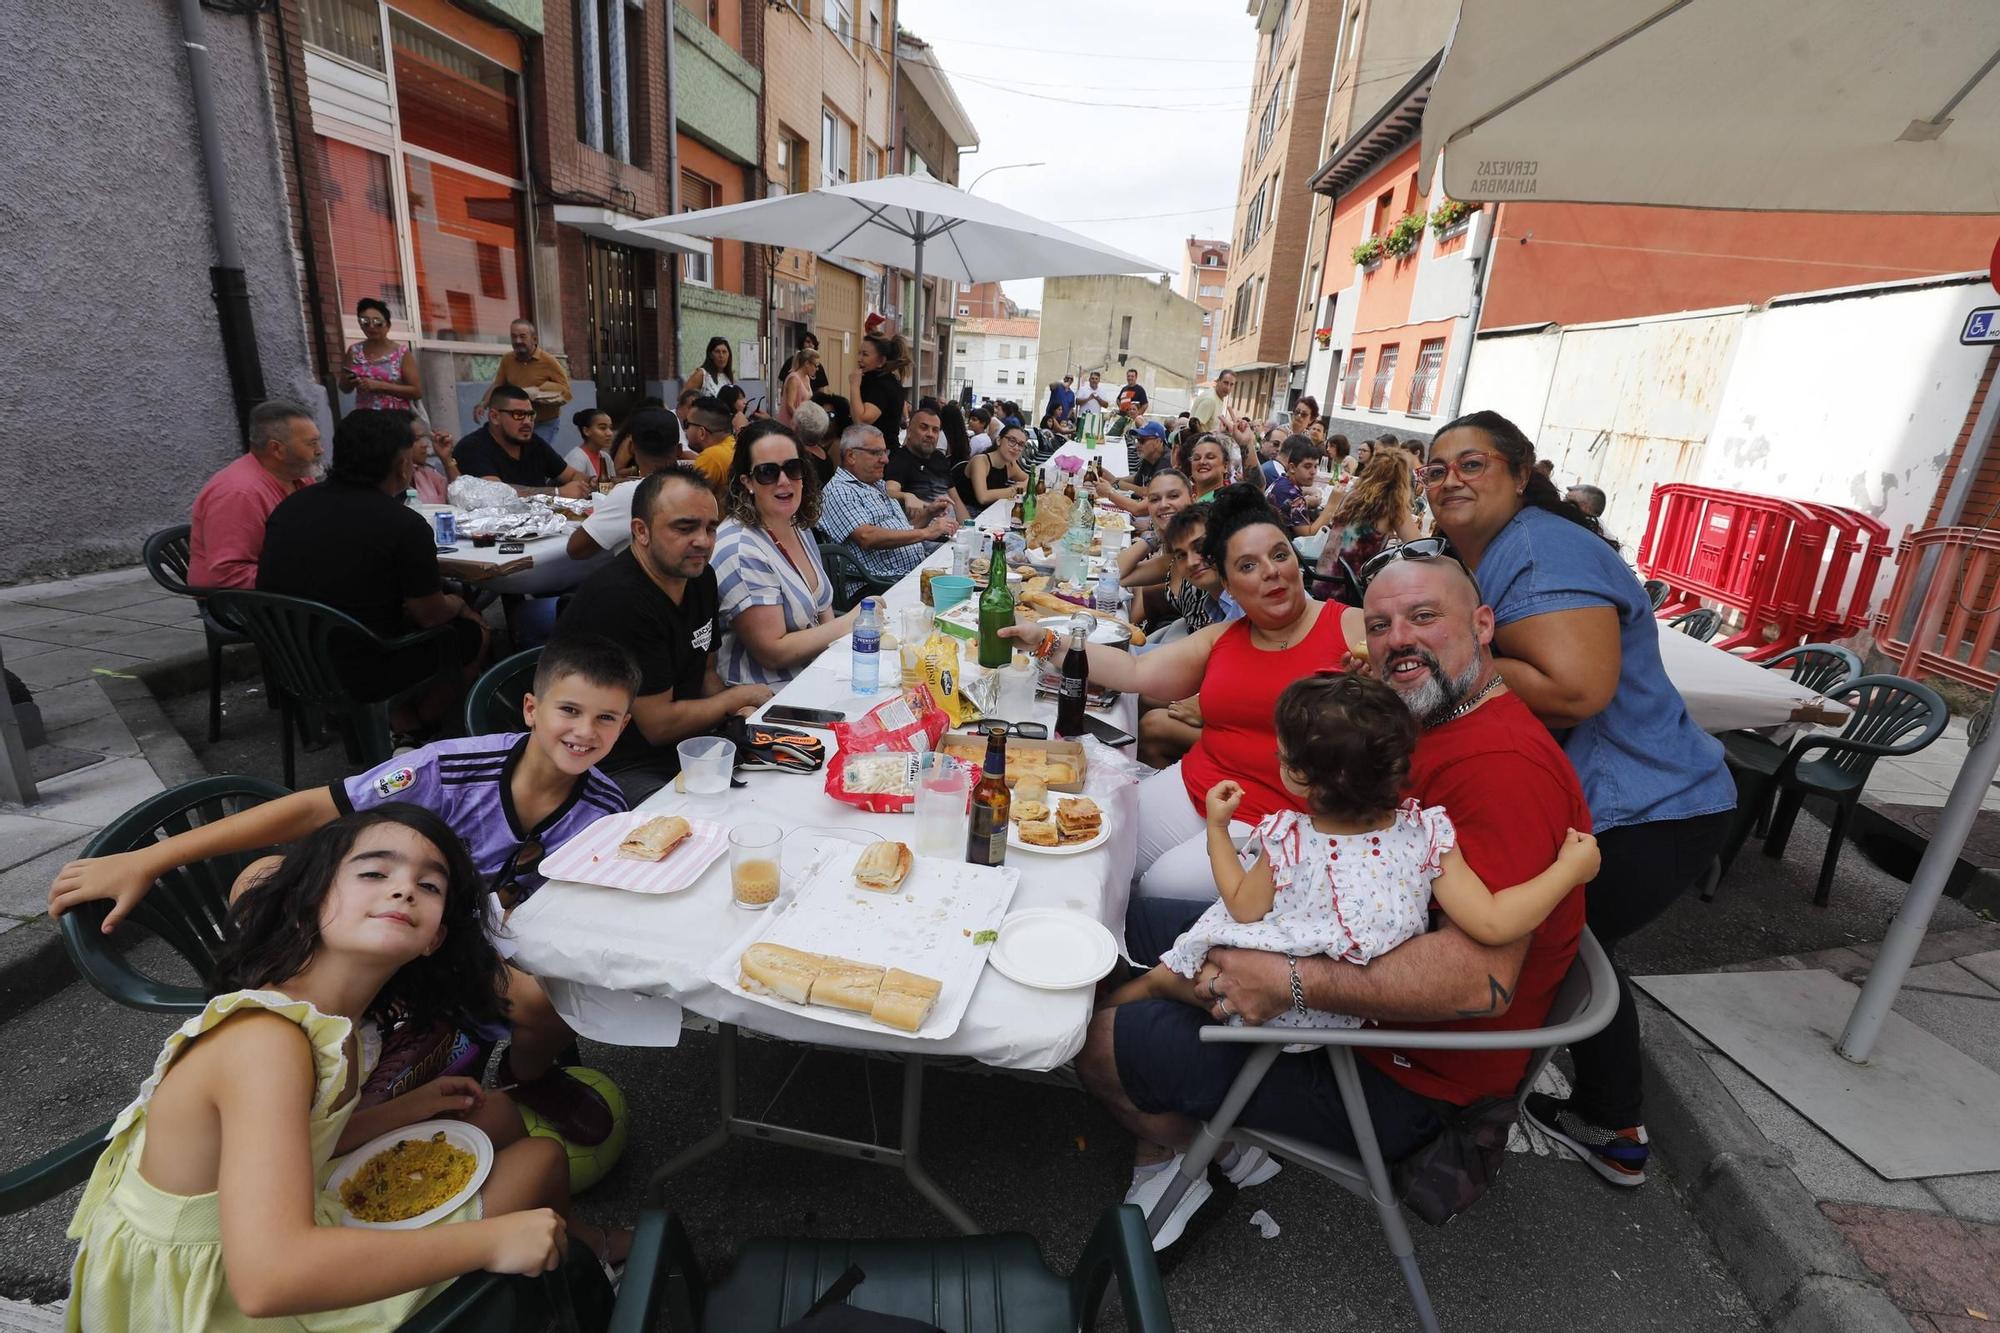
857 510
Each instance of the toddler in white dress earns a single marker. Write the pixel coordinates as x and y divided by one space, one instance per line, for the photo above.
1351 876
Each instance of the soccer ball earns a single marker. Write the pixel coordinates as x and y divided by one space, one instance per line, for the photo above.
587 1165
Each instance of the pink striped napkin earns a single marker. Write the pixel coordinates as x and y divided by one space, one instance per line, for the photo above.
591 857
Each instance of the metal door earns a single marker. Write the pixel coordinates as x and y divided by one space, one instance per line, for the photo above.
618 296
837 323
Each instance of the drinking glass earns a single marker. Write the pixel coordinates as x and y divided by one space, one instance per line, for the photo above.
944 794
706 765
754 876
913 626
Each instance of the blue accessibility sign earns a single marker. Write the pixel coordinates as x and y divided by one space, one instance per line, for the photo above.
1981 326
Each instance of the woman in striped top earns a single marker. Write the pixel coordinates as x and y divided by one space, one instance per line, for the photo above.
777 602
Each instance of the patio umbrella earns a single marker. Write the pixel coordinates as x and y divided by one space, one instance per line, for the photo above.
1813 105
914 223
1773 105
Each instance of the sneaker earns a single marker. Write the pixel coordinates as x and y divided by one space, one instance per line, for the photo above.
573 1109
1148 1192
1250 1166
1619 1155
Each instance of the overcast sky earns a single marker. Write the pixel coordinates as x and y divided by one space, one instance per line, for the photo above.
1152 156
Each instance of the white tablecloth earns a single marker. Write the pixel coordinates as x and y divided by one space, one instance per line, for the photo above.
1725 692
604 950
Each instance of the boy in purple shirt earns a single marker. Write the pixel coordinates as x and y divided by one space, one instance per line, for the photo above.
1288 493
512 798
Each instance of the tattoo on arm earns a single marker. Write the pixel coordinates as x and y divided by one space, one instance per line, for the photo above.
1497 997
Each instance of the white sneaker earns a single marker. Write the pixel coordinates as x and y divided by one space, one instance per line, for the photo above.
1147 1194
1253 1166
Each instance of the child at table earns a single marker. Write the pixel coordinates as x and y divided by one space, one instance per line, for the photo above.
511 797
1352 876
206 1210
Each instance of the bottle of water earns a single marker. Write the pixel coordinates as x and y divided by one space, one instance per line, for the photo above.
1109 597
867 648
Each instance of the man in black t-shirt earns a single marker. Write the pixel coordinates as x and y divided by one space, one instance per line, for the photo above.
1132 398
658 599
509 450
351 544
919 473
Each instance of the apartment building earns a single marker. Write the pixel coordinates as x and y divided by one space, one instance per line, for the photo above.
829 88
1205 281
1113 324
996 358
985 300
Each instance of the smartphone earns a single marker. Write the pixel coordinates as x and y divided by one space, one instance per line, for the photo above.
1105 732
512 548
818 718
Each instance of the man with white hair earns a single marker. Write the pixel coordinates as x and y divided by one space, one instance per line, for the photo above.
857 510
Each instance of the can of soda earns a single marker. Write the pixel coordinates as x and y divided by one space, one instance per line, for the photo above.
447 527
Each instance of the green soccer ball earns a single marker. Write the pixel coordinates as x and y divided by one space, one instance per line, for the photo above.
587 1165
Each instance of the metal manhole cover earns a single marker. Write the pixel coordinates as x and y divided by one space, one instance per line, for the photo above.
1982 845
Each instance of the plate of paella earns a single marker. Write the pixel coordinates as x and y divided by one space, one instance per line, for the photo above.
411 1177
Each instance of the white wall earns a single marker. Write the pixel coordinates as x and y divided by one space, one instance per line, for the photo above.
992 374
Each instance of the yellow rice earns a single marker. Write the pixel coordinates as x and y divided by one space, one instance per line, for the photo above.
409 1177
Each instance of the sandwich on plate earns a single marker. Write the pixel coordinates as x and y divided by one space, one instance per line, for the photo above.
773 969
883 866
652 840
1078 819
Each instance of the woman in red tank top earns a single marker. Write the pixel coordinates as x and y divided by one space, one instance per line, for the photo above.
1239 669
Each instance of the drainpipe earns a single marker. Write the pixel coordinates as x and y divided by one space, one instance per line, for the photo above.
674 187
315 297
229 287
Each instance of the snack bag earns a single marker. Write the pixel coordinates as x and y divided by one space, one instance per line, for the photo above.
939 663
874 764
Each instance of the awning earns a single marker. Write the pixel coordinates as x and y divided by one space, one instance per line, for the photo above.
606 225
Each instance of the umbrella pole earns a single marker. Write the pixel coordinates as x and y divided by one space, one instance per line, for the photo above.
1906 932
917 320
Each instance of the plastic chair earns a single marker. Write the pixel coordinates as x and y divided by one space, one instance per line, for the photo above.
1700 623
1891 717
1822 667
850 581
494 704
961 1284
1657 592
1583 1005
187 907
302 643
166 557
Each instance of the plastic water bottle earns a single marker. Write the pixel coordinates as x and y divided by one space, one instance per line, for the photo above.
1109 597
868 648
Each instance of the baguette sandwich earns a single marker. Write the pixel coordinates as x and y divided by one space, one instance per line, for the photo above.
773 969
905 999
843 983
652 840
883 866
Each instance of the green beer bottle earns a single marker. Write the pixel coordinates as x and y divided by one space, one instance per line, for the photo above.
1028 496
996 610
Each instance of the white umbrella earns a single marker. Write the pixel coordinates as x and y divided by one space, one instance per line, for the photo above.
1815 105
1811 105
915 223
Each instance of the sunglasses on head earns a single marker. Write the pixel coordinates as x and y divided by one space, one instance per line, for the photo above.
1423 548
767 474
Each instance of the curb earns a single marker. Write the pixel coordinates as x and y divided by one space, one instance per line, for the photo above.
1795 1269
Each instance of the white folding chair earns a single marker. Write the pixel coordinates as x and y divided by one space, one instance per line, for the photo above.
1584 1005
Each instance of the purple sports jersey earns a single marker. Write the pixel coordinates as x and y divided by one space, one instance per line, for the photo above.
465 783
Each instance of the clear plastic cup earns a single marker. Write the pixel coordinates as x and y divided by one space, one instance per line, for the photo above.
913 626
706 765
944 798
754 865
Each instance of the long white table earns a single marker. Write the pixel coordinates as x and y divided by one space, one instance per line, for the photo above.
1725 692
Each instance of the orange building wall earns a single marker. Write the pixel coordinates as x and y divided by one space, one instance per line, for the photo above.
701 160
1581 263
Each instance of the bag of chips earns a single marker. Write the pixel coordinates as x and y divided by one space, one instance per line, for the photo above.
939 663
874 764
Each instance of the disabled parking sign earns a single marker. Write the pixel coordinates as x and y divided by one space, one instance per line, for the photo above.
1981 326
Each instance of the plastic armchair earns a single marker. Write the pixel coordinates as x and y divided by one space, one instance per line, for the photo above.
166 558
494 702
1700 623
188 907
1892 717
850 581
1583 1006
1657 592
52 1173
302 644
1823 667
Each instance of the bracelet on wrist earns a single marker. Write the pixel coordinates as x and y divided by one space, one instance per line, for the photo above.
1047 646
1298 987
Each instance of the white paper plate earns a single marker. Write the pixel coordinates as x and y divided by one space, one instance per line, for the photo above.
1063 849
470 1138
1052 949
591 857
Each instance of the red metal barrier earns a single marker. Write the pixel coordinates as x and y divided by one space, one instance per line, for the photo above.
1953 632
1796 570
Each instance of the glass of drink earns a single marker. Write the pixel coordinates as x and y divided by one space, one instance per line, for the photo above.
706 765
913 626
944 786
753 865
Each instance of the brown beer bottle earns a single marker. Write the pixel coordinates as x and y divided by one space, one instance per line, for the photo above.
986 840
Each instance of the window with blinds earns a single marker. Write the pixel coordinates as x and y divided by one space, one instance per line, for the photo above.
1424 380
1385 375
697 194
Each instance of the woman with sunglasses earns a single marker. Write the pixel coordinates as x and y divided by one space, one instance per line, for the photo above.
996 474
777 602
382 375
1574 637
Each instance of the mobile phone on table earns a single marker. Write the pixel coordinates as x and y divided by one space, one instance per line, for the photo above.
512 548
1105 732
818 718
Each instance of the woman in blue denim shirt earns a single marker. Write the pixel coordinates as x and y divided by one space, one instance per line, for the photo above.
1574 636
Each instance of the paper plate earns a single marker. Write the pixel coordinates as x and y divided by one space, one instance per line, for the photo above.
470 1138
1062 849
1052 949
591 857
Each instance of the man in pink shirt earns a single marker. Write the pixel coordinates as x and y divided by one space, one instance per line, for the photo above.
229 514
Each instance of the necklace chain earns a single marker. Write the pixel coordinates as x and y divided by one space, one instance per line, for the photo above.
1455 714
1287 642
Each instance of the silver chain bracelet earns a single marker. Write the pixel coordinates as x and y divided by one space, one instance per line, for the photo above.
1298 987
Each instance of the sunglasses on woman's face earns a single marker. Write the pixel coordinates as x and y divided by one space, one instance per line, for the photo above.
766 474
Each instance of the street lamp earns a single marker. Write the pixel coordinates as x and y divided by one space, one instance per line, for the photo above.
1005 167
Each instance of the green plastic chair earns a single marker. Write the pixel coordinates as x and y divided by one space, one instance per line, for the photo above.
961 1284
850 581
187 907
571 1300
166 558
301 643
494 703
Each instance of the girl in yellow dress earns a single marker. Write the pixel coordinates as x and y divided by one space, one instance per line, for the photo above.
207 1210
